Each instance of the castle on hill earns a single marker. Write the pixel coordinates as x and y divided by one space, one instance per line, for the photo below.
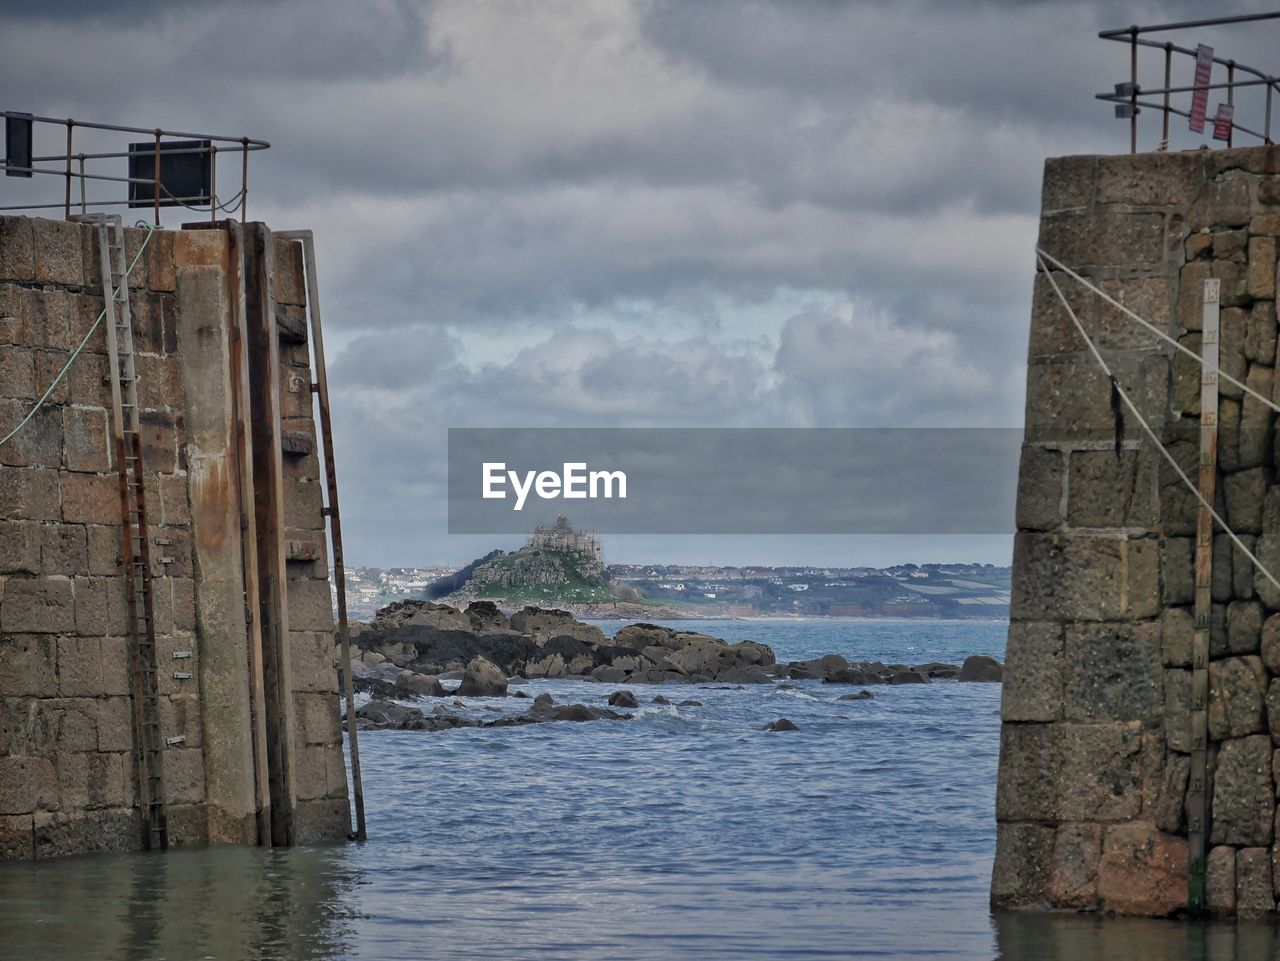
562 537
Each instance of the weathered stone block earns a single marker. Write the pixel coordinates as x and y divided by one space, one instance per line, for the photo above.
1109 491
1269 554
1255 898
37 605
174 502
116 672
1262 268
1177 633
17 374
1033 673
85 439
1221 203
184 775
1025 785
29 494
1220 881
115 724
1040 488
1231 245
1073 880
1243 795
1254 444
1112 671
1244 626
1149 180
310 605
27 784
91 498
1142 871
1023 865
1171 804
1104 239
19 547
1242 568
1084 577
92 780
1148 297
17 249
59 259
103 544
1097 771
101 606
63 549
28 665
1260 334
1072 401
38 444
1237 686
16 837
1271 643
1177 704
79 666
1068 182
1244 493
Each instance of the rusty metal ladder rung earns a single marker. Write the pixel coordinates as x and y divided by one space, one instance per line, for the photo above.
135 559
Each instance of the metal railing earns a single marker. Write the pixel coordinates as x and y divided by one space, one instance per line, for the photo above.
161 148
1131 98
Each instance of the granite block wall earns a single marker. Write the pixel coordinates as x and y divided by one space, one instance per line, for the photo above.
67 741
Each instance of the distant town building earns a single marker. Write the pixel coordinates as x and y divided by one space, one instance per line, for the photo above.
562 537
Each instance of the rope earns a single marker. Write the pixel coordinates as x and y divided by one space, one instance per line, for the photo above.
1151 327
76 353
1042 257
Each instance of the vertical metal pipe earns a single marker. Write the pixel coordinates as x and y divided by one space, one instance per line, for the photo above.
213 183
1231 99
84 205
1266 132
66 213
244 180
1133 89
155 189
1168 66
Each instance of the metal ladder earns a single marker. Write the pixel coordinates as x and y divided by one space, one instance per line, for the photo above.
136 556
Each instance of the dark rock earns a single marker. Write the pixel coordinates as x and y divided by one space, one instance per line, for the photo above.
860 696
517 681
376 686
524 694
485 618
688 703
744 675
623 699
979 667
659 700
781 724
847 675
420 685
482 679
608 675
909 677
543 698
938 670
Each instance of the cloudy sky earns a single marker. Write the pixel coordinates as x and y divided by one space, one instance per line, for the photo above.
629 212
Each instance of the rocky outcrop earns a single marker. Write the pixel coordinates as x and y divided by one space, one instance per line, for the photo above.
781 724
553 622
482 678
423 613
384 715
485 618
623 699
980 667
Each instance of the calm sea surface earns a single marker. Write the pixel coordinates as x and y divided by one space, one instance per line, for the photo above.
685 833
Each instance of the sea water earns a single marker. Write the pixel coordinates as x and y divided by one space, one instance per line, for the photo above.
686 832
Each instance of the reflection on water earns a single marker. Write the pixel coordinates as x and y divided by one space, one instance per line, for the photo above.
233 903
686 833
1028 936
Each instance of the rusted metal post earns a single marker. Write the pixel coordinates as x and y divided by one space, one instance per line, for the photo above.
268 485
241 406
213 183
1197 797
244 180
1168 68
1266 131
1231 99
84 204
67 205
156 186
321 388
1133 89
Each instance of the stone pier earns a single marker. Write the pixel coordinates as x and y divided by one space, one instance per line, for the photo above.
67 737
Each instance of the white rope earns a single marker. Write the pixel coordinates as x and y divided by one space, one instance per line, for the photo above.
1151 327
76 353
1041 256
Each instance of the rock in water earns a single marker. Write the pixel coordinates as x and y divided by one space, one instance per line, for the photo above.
542 698
482 679
422 685
979 667
659 699
781 724
623 699
860 696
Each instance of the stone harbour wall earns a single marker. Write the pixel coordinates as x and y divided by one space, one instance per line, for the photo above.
68 781
1095 744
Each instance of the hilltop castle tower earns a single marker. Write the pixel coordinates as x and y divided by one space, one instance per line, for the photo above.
562 537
